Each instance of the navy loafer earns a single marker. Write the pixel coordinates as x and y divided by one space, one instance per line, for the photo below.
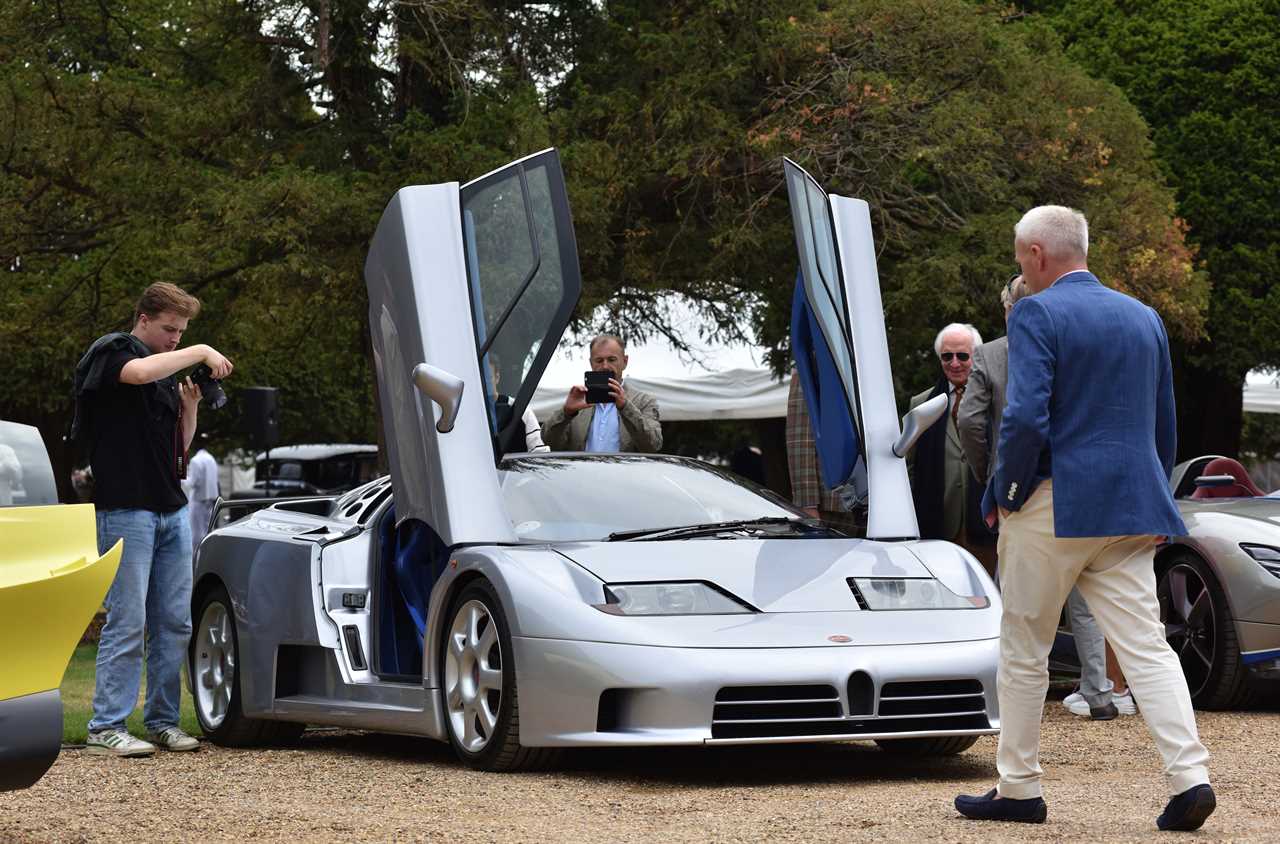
992 807
1188 810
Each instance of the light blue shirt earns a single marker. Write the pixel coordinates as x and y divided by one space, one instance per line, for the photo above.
604 434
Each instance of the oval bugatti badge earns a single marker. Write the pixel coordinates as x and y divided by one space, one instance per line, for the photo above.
839 638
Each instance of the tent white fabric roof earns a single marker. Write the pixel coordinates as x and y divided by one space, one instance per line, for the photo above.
732 394
1261 393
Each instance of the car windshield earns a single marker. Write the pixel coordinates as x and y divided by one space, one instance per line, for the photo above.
564 498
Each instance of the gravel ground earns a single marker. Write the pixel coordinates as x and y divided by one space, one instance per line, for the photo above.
1102 784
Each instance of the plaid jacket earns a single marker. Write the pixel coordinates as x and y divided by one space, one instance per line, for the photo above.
807 488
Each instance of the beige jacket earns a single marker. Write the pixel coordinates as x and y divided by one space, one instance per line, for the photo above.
639 427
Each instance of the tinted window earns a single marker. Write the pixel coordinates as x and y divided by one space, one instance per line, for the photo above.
26 478
575 498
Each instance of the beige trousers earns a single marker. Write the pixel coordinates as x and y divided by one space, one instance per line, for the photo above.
1116 574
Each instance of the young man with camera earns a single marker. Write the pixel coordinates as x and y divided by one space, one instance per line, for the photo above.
600 414
137 422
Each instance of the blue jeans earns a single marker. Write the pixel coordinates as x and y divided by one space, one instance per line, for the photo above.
151 592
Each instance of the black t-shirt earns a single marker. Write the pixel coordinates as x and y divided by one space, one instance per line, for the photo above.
135 441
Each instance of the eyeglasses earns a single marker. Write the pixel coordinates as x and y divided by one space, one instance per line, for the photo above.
960 356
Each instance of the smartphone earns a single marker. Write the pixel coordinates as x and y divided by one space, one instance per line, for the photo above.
597 384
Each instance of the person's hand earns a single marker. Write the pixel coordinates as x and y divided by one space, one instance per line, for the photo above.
190 394
576 400
812 511
619 394
217 362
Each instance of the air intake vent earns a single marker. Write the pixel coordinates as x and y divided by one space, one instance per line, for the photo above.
759 711
925 698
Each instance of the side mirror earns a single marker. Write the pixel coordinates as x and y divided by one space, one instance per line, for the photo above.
918 421
1215 480
443 388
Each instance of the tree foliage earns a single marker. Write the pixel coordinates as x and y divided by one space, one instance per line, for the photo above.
245 149
1205 74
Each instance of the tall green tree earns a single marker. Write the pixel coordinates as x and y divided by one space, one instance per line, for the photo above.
1205 74
947 118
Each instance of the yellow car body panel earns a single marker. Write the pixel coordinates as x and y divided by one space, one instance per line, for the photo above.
52 581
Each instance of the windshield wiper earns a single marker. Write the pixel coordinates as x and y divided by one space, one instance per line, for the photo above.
647 534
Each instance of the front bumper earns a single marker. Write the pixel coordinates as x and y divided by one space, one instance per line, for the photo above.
601 694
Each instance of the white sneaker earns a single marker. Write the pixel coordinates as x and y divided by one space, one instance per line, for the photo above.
1125 702
173 738
117 743
1073 698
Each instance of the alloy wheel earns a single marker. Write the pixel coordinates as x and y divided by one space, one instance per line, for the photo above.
473 676
214 665
1190 624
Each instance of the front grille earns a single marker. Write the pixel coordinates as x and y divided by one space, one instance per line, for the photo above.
759 711
743 712
927 699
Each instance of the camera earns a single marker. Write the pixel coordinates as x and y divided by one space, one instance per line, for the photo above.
210 387
597 384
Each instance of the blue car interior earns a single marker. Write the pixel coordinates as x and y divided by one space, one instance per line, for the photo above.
412 559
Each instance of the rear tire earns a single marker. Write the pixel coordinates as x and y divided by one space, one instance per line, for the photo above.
213 662
481 701
940 746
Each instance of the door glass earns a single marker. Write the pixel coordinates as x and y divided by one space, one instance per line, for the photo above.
822 341
522 264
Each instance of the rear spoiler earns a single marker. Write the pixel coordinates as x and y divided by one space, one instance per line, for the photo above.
236 509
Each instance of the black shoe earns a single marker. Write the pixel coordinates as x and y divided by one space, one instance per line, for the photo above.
1104 713
1188 810
991 807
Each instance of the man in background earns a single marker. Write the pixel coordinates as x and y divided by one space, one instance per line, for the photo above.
627 422
201 487
946 495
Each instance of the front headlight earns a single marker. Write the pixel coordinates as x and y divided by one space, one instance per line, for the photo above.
693 598
911 593
1267 557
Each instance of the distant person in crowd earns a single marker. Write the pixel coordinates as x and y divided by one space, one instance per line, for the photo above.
531 429
946 493
137 422
1098 696
1081 487
201 487
628 422
10 474
808 492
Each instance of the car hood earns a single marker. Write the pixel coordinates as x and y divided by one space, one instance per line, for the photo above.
774 575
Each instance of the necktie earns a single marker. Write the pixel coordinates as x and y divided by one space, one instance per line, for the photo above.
955 405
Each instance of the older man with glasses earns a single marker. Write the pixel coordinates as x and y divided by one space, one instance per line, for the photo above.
947 496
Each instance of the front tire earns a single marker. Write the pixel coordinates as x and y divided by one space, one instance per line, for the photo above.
481 701
940 746
213 663
1199 627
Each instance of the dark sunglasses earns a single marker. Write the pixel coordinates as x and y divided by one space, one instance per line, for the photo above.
1008 285
960 356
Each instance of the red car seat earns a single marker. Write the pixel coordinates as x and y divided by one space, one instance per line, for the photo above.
1244 487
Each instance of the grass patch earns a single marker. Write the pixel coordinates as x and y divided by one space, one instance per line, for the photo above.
77 700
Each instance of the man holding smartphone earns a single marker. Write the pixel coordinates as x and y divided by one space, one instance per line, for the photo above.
600 414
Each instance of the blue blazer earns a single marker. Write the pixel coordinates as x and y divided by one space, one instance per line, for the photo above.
1090 404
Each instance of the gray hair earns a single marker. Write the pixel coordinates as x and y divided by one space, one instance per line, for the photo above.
1062 232
1013 291
600 338
962 326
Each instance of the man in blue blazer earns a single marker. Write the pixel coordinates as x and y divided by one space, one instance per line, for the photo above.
1082 487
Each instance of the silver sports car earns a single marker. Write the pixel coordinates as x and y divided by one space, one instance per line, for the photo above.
515 604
